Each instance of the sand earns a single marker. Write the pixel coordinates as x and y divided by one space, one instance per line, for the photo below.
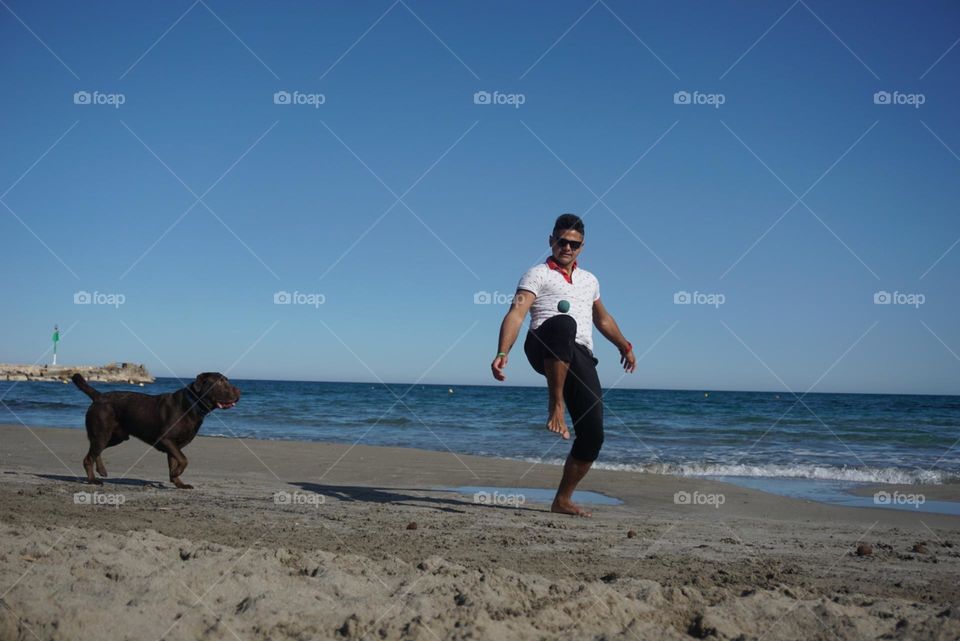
335 558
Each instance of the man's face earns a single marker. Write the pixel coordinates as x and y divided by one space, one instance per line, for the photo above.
563 251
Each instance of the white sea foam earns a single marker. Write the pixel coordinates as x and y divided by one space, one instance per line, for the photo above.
894 475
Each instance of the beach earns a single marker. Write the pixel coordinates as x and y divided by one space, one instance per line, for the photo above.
294 540
353 269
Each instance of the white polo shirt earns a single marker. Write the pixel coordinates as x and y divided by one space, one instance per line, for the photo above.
550 286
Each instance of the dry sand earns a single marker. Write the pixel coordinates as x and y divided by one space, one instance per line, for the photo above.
226 561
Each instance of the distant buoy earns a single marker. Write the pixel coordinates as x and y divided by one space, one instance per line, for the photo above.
706 394
449 390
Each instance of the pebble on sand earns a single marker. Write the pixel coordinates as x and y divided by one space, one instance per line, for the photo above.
412 525
920 548
864 549
631 534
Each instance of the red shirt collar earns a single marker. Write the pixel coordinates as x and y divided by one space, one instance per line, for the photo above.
555 266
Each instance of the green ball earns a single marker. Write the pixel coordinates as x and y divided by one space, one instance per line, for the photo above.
563 306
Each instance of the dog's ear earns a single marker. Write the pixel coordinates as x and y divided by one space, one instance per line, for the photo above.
200 382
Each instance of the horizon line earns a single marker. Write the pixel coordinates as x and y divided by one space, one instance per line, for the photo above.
635 389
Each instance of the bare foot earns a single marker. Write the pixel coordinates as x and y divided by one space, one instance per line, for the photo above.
566 506
556 422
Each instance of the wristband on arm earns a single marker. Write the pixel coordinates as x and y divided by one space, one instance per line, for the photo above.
629 348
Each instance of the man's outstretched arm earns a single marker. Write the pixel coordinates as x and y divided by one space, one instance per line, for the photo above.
510 329
607 326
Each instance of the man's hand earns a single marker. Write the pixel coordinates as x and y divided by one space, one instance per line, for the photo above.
509 329
498 365
629 361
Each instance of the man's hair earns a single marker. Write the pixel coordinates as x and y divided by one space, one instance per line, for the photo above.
567 222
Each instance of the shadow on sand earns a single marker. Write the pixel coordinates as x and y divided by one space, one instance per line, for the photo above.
107 481
400 495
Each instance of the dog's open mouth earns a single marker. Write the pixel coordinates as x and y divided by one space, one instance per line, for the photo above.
225 405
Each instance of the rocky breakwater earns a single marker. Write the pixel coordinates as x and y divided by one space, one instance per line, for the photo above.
131 373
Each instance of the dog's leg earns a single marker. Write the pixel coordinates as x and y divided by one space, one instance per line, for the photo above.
101 468
178 463
99 423
88 462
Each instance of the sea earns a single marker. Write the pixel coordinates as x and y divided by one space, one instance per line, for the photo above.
839 440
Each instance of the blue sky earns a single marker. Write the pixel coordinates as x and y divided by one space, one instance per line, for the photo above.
399 198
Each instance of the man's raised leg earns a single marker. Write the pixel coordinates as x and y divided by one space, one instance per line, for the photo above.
554 344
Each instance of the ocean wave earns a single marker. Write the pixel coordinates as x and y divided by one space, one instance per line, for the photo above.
893 475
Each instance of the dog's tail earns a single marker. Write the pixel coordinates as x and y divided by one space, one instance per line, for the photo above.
84 386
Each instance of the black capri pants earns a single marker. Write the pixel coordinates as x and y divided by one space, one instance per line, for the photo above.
581 391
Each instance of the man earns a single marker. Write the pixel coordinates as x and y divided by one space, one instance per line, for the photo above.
559 345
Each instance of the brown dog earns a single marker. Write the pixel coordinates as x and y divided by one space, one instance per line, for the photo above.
168 422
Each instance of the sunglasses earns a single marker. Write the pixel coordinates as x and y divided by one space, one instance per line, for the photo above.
563 242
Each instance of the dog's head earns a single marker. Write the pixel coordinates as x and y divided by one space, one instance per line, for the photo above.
216 389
